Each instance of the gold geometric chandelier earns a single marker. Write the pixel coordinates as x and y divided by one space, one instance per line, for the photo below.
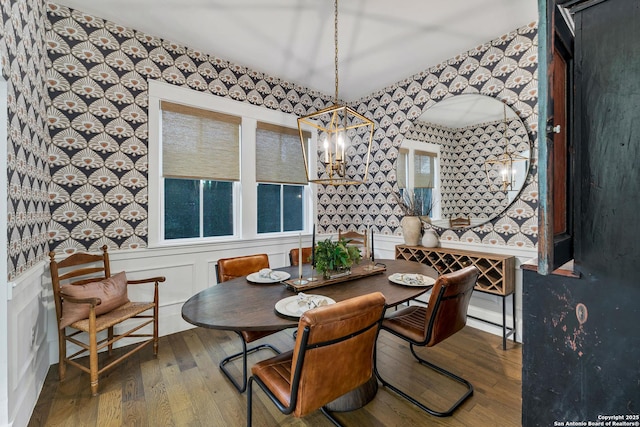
335 125
501 168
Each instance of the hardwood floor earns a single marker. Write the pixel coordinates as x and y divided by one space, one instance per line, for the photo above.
183 386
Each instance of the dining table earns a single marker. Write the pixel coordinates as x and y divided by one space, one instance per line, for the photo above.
241 304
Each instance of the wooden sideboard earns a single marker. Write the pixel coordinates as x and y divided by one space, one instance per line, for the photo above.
497 274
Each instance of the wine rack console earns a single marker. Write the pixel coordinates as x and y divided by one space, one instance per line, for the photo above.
497 273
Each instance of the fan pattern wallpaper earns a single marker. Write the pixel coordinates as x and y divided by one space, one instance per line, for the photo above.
23 54
96 75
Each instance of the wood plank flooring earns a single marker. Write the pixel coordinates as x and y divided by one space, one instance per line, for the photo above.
183 386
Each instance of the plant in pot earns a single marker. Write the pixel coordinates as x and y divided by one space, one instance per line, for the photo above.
335 257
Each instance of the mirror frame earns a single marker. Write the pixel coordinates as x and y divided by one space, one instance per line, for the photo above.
475 118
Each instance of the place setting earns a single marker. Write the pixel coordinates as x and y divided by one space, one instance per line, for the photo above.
296 305
412 279
266 275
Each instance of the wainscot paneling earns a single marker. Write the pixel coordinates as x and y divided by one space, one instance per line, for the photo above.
28 352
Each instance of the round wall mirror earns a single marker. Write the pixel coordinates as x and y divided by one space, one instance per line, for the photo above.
464 161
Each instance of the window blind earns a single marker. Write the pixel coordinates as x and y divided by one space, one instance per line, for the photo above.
199 144
423 169
279 157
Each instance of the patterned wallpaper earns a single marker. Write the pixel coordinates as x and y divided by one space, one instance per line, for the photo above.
464 188
98 118
23 53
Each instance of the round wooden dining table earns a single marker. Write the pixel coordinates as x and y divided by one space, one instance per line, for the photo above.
240 305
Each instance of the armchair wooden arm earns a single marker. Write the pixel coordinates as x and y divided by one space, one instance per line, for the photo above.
93 302
157 280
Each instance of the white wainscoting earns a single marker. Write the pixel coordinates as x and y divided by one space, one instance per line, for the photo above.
27 344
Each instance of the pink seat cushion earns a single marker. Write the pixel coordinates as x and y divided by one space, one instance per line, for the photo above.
112 292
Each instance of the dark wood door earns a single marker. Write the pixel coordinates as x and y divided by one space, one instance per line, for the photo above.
608 155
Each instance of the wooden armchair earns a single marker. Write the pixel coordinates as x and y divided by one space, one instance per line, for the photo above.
445 315
333 355
460 222
231 268
88 300
356 239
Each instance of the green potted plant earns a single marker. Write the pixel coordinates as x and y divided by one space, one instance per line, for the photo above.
335 257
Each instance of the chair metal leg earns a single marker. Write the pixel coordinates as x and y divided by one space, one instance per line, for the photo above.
249 402
438 369
327 413
242 387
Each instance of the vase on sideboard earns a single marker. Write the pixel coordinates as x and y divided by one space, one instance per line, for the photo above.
411 230
430 238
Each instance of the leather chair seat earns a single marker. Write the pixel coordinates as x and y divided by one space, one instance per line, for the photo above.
276 372
409 322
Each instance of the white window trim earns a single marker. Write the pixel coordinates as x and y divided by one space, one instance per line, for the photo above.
428 147
245 191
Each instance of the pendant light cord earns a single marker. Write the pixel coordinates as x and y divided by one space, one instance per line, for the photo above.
335 41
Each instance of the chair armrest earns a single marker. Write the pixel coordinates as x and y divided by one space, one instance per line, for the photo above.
92 301
150 280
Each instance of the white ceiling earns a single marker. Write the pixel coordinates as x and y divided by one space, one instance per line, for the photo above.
381 42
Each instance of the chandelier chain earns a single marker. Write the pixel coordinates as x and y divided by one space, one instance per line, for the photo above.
335 41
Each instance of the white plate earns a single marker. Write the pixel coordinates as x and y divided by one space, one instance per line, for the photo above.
295 306
274 277
412 279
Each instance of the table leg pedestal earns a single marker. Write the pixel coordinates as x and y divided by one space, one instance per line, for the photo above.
356 398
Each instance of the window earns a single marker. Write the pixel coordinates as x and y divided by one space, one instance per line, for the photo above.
200 162
223 170
281 176
280 208
417 173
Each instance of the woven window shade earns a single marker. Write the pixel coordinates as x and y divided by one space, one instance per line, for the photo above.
199 144
401 172
423 169
279 155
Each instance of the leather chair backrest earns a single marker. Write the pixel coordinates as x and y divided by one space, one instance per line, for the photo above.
230 268
329 371
306 255
448 304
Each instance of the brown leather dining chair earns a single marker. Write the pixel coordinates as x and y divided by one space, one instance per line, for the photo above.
294 255
231 268
445 314
333 355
